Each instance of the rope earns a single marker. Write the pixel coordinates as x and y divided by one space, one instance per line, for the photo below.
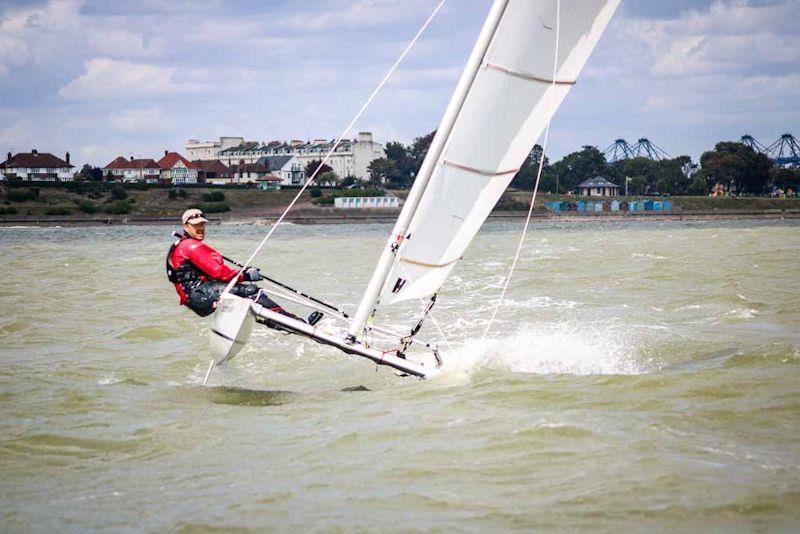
538 176
338 141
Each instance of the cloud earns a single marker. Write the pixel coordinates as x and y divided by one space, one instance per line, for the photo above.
137 119
727 37
34 33
116 79
124 44
358 15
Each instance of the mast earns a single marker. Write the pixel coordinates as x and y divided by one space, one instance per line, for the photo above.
370 298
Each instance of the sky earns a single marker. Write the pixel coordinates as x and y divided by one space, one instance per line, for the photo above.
103 78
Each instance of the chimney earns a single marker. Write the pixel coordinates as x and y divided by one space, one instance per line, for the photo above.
166 152
35 152
67 158
9 156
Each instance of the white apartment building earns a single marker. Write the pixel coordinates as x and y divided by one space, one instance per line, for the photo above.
207 150
351 157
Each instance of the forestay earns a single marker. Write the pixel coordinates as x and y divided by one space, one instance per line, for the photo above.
497 114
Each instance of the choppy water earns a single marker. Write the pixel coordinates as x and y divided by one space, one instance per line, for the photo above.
640 375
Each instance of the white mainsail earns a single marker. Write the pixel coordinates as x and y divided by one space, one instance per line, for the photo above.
502 104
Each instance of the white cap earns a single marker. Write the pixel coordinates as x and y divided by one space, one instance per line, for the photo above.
193 216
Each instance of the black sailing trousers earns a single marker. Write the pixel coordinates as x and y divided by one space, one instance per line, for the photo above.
202 297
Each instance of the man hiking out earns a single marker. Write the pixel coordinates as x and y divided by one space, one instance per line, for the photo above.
200 274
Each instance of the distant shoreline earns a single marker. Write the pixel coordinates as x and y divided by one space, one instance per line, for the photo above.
389 217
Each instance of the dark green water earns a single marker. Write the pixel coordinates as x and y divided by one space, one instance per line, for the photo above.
641 376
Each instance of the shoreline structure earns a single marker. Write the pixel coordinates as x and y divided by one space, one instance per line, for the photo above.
306 216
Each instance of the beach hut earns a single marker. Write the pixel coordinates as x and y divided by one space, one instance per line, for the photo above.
599 206
555 207
623 206
571 206
636 205
589 205
581 206
667 205
648 205
657 206
615 205
607 206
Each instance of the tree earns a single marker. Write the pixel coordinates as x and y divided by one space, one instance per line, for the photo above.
312 167
380 170
574 168
526 177
419 149
404 169
699 186
738 165
637 185
328 178
86 173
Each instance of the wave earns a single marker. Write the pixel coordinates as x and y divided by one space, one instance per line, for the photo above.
554 349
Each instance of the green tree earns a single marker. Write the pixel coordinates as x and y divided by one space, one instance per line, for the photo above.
328 178
404 168
526 177
312 166
418 151
736 164
637 185
698 186
86 173
576 167
380 170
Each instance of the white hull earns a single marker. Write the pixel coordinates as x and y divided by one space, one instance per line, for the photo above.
407 366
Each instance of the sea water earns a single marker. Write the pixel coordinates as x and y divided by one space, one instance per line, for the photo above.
639 375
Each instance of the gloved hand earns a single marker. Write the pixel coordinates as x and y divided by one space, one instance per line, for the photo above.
253 275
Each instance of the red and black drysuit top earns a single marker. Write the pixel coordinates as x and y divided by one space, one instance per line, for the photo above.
207 261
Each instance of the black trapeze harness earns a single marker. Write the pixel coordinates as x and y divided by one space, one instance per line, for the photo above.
186 274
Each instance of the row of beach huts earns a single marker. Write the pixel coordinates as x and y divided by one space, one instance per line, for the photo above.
614 205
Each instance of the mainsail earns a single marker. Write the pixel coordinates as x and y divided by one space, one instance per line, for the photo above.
502 104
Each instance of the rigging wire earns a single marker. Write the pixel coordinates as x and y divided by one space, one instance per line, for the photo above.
338 141
538 176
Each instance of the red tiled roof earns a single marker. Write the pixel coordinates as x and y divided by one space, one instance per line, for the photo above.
31 160
123 163
211 165
171 158
269 178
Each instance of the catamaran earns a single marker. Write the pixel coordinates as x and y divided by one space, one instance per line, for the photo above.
526 59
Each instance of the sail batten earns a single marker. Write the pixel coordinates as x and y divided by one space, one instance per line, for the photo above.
483 172
528 76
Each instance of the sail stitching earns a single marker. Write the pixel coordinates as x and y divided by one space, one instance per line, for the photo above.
527 76
482 172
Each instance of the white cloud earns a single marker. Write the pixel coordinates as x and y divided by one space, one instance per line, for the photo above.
99 154
33 33
727 37
20 134
124 43
137 119
115 79
359 14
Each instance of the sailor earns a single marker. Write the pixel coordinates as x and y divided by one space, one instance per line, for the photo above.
200 274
